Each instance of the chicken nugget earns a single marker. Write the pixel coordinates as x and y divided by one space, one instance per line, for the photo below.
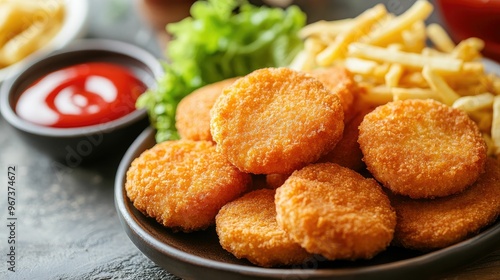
422 148
334 211
192 117
428 224
276 120
275 180
347 152
183 183
338 80
247 228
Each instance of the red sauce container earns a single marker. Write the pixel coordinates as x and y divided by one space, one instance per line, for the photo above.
474 18
82 103
81 95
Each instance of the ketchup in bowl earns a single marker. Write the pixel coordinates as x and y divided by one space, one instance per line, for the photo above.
474 18
81 95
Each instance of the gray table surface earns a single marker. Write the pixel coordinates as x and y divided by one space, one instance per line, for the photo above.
67 224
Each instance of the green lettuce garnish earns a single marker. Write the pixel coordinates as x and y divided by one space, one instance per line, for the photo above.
221 39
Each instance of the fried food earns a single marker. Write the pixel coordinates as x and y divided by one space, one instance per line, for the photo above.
347 152
275 180
338 80
422 148
336 212
192 117
247 228
276 120
426 224
183 184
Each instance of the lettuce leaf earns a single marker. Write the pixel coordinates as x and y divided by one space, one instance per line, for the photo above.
221 39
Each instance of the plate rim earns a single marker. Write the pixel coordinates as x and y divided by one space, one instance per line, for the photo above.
432 261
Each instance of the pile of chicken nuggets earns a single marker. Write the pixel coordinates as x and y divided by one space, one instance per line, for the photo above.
287 165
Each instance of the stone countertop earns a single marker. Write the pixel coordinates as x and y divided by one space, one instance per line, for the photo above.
67 225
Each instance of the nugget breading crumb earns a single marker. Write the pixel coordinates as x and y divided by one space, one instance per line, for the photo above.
247 228
183 183
276 120
428 224
422 148
192 117
336 212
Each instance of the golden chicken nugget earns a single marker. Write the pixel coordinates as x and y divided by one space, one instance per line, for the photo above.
422 148
428 224
347 152
276 120
247 228
192 117
183 183
338 80
335 212
275 180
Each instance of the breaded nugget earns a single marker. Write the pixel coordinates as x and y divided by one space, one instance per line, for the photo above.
422 148
183 183
347 152
276 120
247 228
192 117
338 80
336 212
275 180
427 224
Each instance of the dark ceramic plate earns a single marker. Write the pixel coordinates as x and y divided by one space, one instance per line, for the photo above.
199 255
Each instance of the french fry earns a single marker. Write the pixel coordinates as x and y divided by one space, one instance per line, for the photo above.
303 61
24 43
440 38
474 103
413 93
413 79
393 75
442 64
384 35
377 95
360 66
355 31
306 58
26 26
469 49
439 85
414 38
321 27
483 119
13 19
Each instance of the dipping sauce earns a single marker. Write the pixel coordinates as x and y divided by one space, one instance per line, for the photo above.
474 18
81 95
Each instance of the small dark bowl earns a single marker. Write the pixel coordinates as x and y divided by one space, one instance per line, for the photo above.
74 146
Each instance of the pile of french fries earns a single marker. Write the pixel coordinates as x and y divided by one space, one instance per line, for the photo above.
26 26
391 60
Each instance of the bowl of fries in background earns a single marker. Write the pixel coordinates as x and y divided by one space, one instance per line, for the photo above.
472 18
30 28
392 60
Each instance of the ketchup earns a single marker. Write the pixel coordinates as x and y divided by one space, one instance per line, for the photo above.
81 95
474 18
